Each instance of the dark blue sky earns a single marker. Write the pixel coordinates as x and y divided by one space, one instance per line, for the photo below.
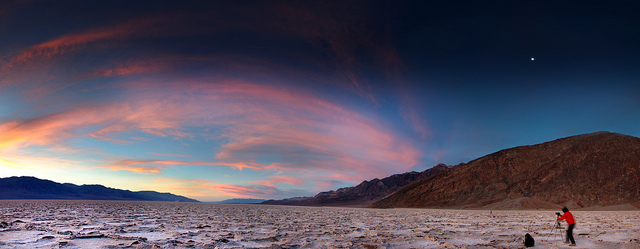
273 99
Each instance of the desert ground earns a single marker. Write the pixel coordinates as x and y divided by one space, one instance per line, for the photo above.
118 224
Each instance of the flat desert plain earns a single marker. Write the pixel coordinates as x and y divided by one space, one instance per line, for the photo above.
117 224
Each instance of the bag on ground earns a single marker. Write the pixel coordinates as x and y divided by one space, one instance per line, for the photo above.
528 240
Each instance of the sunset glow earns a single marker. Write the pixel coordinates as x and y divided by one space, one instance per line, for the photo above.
274 100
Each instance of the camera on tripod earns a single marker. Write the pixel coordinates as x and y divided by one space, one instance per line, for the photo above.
558 214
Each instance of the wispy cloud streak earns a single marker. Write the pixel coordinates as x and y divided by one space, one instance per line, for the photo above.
78 41
273 180
140 166
248 191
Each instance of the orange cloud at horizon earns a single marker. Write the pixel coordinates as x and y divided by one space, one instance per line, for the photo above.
211 190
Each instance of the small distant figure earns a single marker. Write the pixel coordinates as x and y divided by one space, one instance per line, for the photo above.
529 241
571 222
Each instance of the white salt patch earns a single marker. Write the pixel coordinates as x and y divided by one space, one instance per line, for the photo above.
151 236
20 237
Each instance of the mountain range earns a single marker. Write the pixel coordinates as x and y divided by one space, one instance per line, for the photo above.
594 170
599 170
26 187
364 193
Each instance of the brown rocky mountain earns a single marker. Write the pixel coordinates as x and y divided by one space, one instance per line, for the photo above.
591 170
364 193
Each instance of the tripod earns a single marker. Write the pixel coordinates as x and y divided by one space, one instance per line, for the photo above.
557 228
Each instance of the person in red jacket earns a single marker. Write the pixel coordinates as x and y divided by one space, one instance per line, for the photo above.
571 222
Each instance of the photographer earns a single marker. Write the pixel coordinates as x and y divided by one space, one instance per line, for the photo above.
571 222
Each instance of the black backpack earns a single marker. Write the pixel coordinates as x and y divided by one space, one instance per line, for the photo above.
529 241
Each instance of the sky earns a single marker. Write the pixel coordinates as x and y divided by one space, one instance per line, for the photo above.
275 99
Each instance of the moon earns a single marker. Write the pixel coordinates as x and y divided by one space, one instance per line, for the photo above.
533 59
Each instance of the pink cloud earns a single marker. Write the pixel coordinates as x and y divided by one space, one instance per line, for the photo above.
131 67
138 166
46 130
168 155
113 118
250 191
285 130
273 180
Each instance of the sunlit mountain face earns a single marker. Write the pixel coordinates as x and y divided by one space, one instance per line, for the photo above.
270 100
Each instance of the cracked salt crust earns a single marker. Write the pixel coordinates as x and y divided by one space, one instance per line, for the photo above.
116 224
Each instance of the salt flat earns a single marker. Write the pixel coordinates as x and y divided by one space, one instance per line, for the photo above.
116 224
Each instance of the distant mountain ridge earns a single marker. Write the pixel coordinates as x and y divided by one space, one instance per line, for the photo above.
364 193
240 201
586 171
27 187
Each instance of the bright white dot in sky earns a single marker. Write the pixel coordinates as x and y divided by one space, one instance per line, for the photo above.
533 59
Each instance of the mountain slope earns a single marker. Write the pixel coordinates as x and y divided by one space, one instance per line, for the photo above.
597 169
364 193
33 188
